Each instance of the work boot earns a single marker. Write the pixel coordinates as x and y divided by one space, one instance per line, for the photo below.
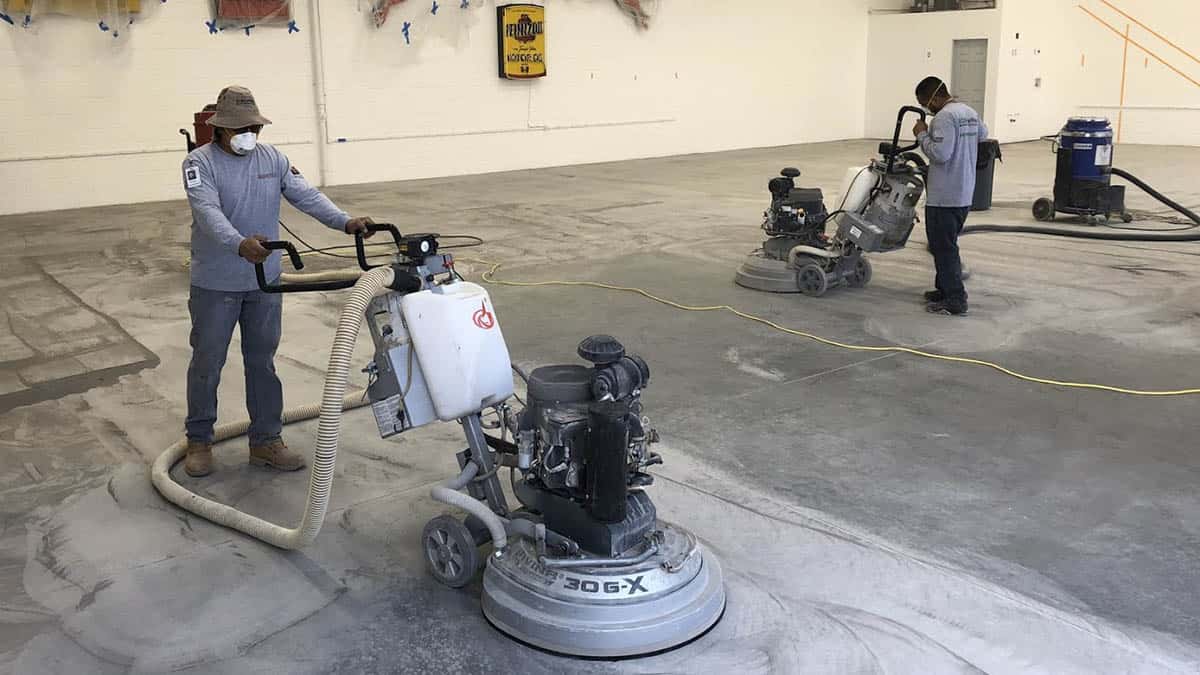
934 296
947 308
199 459
276 455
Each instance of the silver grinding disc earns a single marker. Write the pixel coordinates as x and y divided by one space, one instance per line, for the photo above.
766 274
671 598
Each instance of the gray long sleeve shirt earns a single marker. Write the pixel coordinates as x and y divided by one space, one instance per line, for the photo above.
952 145
234 197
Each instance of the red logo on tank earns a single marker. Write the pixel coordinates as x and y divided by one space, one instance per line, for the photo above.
483 318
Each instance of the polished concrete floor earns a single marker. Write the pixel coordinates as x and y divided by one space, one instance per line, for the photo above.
875 512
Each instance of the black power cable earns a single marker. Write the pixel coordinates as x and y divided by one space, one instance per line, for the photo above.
309 248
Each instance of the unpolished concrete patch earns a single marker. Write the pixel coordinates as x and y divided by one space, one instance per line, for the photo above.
136 583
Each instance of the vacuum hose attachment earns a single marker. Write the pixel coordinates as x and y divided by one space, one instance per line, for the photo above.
333 402
448 493
1191 215
1105 236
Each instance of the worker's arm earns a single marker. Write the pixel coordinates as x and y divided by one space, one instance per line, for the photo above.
205 201
939 141
309 199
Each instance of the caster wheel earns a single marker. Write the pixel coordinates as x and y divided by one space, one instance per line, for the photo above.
861 276
812 280
1127 217
450 551
1043 210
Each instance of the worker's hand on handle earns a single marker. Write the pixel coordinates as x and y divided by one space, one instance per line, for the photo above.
252 249
920 128
359 226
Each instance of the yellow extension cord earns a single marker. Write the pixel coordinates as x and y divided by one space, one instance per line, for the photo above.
490 278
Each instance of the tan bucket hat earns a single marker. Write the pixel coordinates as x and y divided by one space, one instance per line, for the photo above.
236 109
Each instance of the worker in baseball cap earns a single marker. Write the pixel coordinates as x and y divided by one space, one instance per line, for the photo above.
234 186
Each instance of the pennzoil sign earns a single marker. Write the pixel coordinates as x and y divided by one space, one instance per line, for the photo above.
522 40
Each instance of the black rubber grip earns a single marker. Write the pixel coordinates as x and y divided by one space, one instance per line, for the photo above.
308 287
361 250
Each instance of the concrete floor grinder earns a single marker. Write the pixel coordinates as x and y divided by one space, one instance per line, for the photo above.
877 214
583 566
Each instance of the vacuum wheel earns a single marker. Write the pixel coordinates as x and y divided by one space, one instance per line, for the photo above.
1126 217
812 280
450 551
1043 209
861 276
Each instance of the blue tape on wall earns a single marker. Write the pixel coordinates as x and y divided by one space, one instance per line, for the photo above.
212 27
292 27
404 30
435 8
7 18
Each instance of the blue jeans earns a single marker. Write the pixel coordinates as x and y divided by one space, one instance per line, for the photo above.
942 227
214 314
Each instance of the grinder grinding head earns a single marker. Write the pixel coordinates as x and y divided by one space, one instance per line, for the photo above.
671 597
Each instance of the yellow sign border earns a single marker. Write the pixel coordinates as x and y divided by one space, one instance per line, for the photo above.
506 46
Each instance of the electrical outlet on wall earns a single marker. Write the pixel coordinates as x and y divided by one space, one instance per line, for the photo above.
1037 83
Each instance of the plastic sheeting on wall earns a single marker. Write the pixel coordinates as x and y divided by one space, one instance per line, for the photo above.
248 14
417 21
111 16
641 10
380 11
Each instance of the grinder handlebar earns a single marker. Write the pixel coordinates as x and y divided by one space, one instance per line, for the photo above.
894 150
297 263
361 250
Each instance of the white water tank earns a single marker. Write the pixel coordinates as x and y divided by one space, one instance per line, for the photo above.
460 348
856 188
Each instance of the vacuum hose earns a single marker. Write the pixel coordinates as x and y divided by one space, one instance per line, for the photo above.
448 493
1105 236
1191 215
333 402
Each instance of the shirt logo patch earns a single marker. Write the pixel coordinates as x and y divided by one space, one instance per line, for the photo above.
191 177
264 176
295 171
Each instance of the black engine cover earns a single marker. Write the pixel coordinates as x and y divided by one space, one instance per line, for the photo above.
570 519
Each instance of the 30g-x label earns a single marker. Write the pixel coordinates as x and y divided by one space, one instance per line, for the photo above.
626 586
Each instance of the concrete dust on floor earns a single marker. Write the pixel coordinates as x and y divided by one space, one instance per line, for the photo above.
873 513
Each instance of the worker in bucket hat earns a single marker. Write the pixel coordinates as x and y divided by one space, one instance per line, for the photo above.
234 186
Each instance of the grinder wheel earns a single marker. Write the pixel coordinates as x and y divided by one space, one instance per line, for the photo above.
812 280
861 275
450 551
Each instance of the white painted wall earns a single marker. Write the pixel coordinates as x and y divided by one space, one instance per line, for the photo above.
905 48
89 120
1080 62
105 113
1049 60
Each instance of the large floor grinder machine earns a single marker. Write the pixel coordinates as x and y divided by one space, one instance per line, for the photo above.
876 215
582 565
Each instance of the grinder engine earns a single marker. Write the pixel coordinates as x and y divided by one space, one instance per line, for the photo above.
599 575
583 447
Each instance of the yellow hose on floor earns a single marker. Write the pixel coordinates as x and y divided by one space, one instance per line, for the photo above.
490 278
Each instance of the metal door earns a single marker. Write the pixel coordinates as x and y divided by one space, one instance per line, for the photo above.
969 78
